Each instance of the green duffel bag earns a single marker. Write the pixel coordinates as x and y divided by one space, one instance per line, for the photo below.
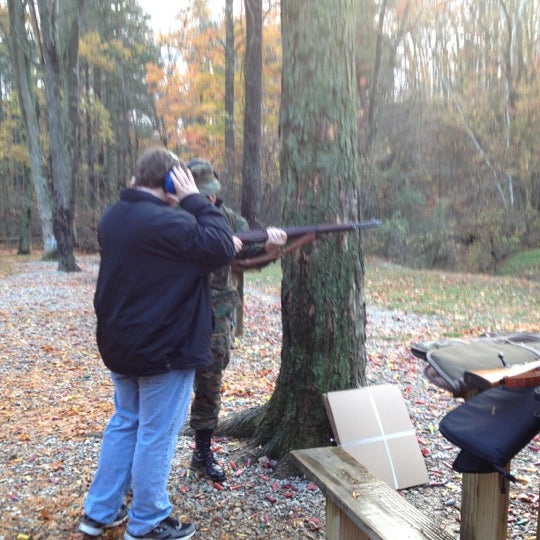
448 360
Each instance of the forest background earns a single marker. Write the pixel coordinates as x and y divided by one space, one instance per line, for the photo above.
420 113
447 113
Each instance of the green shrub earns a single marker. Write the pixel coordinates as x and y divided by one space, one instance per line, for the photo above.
522 264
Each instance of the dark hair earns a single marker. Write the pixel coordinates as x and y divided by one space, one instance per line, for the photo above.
153 166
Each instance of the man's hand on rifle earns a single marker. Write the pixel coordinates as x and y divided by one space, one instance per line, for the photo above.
238 244
276 239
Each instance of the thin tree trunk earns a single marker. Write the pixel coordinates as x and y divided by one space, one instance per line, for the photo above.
22 56
375 78
25 236
229 92
59 67
251 163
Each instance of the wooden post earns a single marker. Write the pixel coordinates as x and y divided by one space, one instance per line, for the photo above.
484 509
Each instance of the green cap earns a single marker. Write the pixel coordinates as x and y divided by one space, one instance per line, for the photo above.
205 177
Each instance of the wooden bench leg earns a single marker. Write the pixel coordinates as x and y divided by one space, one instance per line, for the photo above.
339 526
484 509
538 524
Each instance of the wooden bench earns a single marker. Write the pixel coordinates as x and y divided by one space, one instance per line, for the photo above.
359 505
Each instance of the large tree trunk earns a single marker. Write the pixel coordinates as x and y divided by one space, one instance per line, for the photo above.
60 39
323 311
23 55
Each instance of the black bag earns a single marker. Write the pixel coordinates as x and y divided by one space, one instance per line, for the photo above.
448 360
491 428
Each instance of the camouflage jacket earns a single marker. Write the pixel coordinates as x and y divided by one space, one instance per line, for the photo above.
225 295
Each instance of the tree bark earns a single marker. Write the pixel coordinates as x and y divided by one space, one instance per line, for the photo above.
25 236
230 168
323 311
241 425
60 46
251 163
229 92
22 61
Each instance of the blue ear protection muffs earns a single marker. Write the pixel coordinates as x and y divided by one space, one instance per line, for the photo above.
168 184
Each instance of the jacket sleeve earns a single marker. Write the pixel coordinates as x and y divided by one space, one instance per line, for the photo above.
240 224
204 232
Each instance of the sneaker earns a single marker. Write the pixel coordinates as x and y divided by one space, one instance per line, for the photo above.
91 527
168 529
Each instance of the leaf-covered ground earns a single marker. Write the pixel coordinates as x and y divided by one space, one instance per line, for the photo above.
56 399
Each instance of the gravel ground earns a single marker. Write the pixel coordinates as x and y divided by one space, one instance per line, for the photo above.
56 399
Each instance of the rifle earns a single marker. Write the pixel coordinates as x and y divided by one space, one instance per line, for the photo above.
260 235
303 234
517 376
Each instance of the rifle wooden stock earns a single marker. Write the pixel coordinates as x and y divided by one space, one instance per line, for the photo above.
260 235
512 377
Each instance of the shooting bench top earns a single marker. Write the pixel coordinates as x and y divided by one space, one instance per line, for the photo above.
359 505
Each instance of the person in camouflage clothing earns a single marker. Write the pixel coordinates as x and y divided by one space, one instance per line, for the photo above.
225 298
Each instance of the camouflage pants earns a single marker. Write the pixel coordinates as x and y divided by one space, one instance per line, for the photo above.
207 401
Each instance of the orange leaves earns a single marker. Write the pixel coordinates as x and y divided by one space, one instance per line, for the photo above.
45 514
190 90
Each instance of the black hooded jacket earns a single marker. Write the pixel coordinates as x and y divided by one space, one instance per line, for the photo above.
152 299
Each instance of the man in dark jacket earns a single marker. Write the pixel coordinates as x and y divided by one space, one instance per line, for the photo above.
154 324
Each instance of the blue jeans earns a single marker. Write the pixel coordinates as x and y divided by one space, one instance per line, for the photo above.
138 447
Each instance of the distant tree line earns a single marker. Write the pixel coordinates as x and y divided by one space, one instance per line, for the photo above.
447 107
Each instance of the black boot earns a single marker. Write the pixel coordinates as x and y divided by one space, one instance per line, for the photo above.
203 459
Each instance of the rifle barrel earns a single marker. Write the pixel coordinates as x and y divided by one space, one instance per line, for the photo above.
260 235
